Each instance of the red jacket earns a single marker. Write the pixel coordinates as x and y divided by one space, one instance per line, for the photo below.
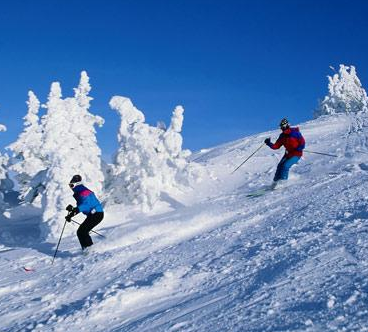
292 140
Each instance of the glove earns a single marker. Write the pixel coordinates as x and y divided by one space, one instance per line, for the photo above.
267 141
69 208
73 211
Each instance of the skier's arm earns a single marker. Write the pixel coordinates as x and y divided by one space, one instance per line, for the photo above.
277 145
83 207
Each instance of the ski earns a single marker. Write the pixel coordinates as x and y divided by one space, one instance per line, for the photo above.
260 192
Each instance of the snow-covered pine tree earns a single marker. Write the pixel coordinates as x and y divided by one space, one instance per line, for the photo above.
28 158
3 170
149 159
71 146
48 131
135 161
345 94
183 172
172 138
56 125
87 150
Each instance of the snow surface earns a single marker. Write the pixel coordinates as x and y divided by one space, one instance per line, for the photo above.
295 259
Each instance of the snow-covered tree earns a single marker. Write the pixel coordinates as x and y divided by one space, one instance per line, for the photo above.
56 139
149 159
133 165
35 182
345 94
83 127
55 124
3 171
172 138
28 158
179 168
70 147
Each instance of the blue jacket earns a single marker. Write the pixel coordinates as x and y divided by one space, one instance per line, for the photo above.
86 200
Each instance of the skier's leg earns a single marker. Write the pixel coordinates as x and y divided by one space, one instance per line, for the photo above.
278 173
284 171
83 231
95 220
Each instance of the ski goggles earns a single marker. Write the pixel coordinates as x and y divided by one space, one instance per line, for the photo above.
72 185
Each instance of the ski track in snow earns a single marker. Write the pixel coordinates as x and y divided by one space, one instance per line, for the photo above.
294 259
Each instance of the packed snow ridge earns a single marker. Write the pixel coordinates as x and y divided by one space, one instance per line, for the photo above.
203 256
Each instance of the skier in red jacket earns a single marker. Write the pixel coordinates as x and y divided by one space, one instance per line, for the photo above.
294 143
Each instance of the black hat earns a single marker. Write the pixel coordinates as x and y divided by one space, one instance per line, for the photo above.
284 124
76 178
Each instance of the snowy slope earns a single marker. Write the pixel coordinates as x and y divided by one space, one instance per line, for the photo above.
295 259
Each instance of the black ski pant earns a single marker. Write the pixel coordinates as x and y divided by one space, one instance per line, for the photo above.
91 221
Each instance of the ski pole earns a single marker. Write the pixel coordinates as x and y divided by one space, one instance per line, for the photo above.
364 152
58 243
247 159
323 154
91 229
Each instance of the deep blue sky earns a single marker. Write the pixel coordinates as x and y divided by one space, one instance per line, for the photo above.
236 66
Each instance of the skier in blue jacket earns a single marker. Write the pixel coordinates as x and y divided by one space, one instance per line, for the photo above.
88 204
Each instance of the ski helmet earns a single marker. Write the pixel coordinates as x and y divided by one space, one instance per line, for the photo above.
284 124
76 178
